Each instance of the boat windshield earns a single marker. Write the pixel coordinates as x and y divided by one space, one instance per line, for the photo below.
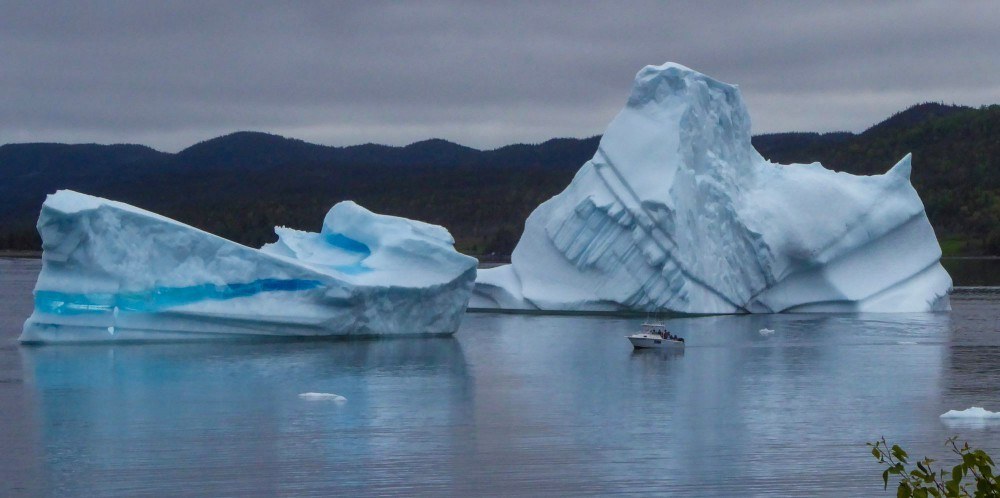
654 328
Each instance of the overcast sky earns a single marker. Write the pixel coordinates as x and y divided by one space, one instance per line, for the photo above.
481 74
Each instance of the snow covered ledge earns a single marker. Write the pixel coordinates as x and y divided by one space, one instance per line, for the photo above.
113 272
678 212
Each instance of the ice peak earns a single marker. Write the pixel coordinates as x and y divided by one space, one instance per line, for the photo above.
347 217
679 119
657 84
903 168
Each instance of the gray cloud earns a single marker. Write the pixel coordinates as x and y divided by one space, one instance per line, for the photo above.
482 74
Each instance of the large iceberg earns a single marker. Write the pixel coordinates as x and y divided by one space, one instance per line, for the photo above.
111 271
678 212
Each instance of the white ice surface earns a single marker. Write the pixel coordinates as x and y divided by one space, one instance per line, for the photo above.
323 397
115 272
678 212
975 412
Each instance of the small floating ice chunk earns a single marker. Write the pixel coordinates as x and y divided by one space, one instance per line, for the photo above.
975 412
765 331
323 397
910 343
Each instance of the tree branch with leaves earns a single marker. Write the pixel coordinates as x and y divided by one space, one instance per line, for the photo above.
924 481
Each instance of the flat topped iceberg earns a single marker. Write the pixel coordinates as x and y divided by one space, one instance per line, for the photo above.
111 271
974 412
678 212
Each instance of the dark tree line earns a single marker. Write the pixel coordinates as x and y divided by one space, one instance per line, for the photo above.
956 166
240 186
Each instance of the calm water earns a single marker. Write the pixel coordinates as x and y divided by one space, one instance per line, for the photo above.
512 405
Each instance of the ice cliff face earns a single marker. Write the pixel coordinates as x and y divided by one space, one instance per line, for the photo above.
678 212
115 272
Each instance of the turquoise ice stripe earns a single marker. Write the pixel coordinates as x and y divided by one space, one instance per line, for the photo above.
159 298
346 243
355 269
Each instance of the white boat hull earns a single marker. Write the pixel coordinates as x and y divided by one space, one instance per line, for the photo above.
648 341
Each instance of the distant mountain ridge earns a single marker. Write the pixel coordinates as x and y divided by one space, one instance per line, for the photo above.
918 114
956 166
242 184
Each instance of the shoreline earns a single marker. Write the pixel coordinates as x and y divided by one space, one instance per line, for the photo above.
31 254
9 253
16 254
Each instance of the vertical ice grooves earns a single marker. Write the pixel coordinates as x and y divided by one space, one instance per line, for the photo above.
649 234
616 235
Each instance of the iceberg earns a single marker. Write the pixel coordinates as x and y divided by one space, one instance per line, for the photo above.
974 412
114 272
677 212
323 397
975 417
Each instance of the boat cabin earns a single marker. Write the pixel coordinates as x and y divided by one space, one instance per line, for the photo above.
655 329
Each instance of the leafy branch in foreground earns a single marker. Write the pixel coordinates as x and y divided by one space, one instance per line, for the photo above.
924 480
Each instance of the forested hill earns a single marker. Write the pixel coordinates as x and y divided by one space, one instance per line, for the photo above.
956 165
241 185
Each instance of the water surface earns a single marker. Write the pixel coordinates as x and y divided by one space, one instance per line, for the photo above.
511 405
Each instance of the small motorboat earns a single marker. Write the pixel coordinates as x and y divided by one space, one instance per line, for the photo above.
655 336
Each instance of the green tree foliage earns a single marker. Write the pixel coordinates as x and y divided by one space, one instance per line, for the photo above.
924 480
956 164
243 185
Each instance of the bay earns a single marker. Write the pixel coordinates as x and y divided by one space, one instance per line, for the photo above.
511 405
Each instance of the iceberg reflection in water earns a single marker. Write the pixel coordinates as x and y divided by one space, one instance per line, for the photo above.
226 418
506 406
511 405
